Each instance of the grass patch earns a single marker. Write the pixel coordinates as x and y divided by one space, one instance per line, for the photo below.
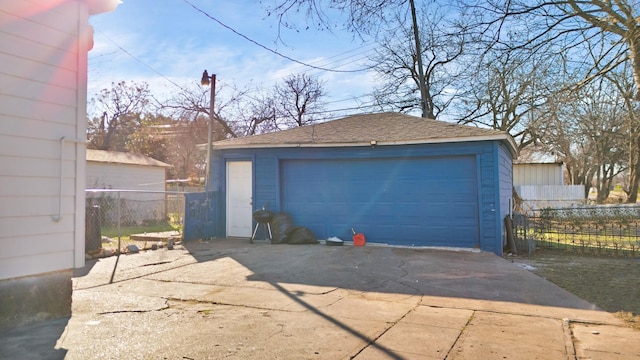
624 246
596 248
590 238
611 283
125 231
629 318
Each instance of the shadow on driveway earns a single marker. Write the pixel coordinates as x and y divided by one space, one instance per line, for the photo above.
443 273
223 291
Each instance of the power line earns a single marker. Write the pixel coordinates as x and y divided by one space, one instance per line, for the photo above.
304 64
181 88
343 57
338 62
269 49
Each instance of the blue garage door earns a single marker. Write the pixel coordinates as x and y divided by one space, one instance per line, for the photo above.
415 202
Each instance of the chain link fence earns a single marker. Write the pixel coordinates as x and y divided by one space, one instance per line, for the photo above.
118 219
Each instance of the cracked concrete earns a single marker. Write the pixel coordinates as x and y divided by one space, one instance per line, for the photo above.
234 300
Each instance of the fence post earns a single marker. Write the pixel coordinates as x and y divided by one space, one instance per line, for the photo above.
118 216
508 223
93 235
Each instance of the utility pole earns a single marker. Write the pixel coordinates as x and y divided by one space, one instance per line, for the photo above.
416 36
206 80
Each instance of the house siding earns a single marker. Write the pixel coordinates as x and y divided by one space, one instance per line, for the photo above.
538 174
505 184
124 176
146 204
488 204
541 185
42 153
267 167
42 116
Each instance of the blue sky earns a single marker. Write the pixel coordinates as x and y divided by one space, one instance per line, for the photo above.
168 41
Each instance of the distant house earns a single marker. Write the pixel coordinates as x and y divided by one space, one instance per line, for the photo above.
127 172
538 173
399 179
42 153
541 184
120 170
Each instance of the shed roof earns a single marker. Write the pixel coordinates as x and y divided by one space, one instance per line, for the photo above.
116 157
549 163
360 130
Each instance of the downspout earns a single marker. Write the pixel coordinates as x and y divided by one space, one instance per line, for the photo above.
58 218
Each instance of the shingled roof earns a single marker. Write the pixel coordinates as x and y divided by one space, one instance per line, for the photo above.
361 130
116 157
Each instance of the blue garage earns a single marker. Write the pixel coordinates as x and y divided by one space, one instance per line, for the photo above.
399 179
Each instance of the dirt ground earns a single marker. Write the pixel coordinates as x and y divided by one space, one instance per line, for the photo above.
613 284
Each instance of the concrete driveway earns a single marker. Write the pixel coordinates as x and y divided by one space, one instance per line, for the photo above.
228 299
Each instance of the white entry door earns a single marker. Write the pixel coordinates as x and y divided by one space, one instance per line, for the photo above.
239 198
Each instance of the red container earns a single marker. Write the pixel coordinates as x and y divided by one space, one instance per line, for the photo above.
358 239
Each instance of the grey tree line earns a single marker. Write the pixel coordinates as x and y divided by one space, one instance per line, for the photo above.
131 119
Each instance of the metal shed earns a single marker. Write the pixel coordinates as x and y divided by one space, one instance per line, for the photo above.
401 180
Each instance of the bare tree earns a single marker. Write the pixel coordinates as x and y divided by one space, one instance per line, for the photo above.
572 27
362 16
443 44
620 19
587 134
258 114
184 136
120 108
569 144
299 99
631 117
145 139
510 92
193 101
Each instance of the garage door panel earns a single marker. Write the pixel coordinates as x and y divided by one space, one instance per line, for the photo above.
461 230
384 209
395 201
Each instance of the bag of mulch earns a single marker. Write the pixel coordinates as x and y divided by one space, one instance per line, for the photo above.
281 224
301 235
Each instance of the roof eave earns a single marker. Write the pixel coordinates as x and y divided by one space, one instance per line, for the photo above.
166 166
502 136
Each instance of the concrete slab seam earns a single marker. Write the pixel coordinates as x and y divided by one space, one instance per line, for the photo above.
391 325
575 320
334 321
194 301
329 291
455 342
133 311
131 278
568 340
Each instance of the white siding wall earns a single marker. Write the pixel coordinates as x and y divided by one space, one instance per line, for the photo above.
137 207
537 174
126 177
42 100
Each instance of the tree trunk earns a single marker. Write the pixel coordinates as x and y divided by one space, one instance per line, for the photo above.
634 56
632 197
634 182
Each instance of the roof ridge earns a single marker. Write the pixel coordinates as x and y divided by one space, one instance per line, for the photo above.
388 128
